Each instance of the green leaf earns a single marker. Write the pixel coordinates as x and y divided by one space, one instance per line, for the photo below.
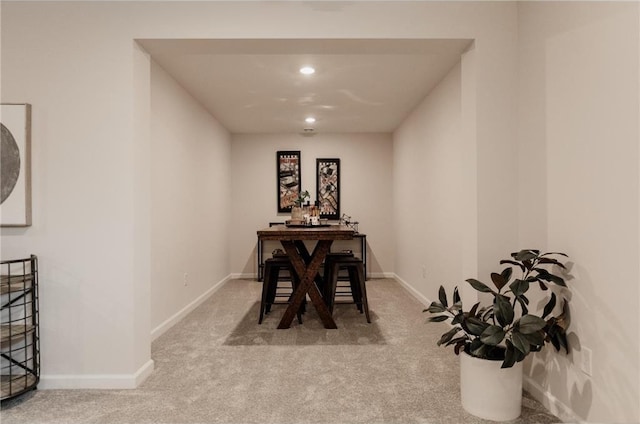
548 308
530 323
519 287
456 296
555 342
545 275
474 308
512 355
439 318
557 336
562 338
558 280
506 274
551 261
523 304
518 264
481 351
481 287
456 307
458 318
555 253
474 326
503 310
492 335
442 295
487 314
535 339
457 340
435 308
448 335
520 342
474 345
498 280
525 255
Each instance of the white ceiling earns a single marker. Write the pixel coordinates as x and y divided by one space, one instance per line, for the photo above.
254 85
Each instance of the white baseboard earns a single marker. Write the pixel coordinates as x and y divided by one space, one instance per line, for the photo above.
96 381
245 276
419 296
382 275
549 401
166 325
124 381
144 372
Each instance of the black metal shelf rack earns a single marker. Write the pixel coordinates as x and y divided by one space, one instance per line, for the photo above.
19 327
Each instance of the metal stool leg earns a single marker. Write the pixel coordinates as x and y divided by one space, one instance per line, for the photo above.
363 291
266 287
331 285
354 282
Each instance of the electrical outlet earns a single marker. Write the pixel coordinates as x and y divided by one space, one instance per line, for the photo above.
185 278
585 365
424 271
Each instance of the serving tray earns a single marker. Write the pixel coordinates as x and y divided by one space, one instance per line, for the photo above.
306 226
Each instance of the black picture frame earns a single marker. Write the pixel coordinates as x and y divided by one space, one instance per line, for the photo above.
289 178
328 187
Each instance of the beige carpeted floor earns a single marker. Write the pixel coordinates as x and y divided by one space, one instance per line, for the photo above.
219 366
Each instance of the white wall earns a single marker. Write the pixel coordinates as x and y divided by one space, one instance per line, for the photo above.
579 180
429 190
84 229
78 64
365 189
190 192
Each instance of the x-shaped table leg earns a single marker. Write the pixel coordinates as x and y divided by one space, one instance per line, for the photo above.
307 274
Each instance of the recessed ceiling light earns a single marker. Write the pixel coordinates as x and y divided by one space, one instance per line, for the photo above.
310 120
307 70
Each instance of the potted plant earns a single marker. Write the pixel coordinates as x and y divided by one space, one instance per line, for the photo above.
493 339
296 209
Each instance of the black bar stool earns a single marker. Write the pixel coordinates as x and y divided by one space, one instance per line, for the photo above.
326 275
272 270
355 268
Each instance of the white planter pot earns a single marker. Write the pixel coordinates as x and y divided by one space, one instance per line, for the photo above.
489 391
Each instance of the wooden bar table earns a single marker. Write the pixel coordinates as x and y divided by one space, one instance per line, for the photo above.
305 265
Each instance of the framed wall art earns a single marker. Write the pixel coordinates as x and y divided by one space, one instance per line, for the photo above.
289 178
15 152
328 187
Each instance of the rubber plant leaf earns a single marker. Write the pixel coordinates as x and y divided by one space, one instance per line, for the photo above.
498 280
442 295
530 323
492 335
503 310
478 285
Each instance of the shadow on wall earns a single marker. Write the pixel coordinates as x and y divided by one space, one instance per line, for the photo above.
562 374
578 395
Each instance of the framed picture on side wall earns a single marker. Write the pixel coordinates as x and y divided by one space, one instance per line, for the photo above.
289 178
15 199
328 187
